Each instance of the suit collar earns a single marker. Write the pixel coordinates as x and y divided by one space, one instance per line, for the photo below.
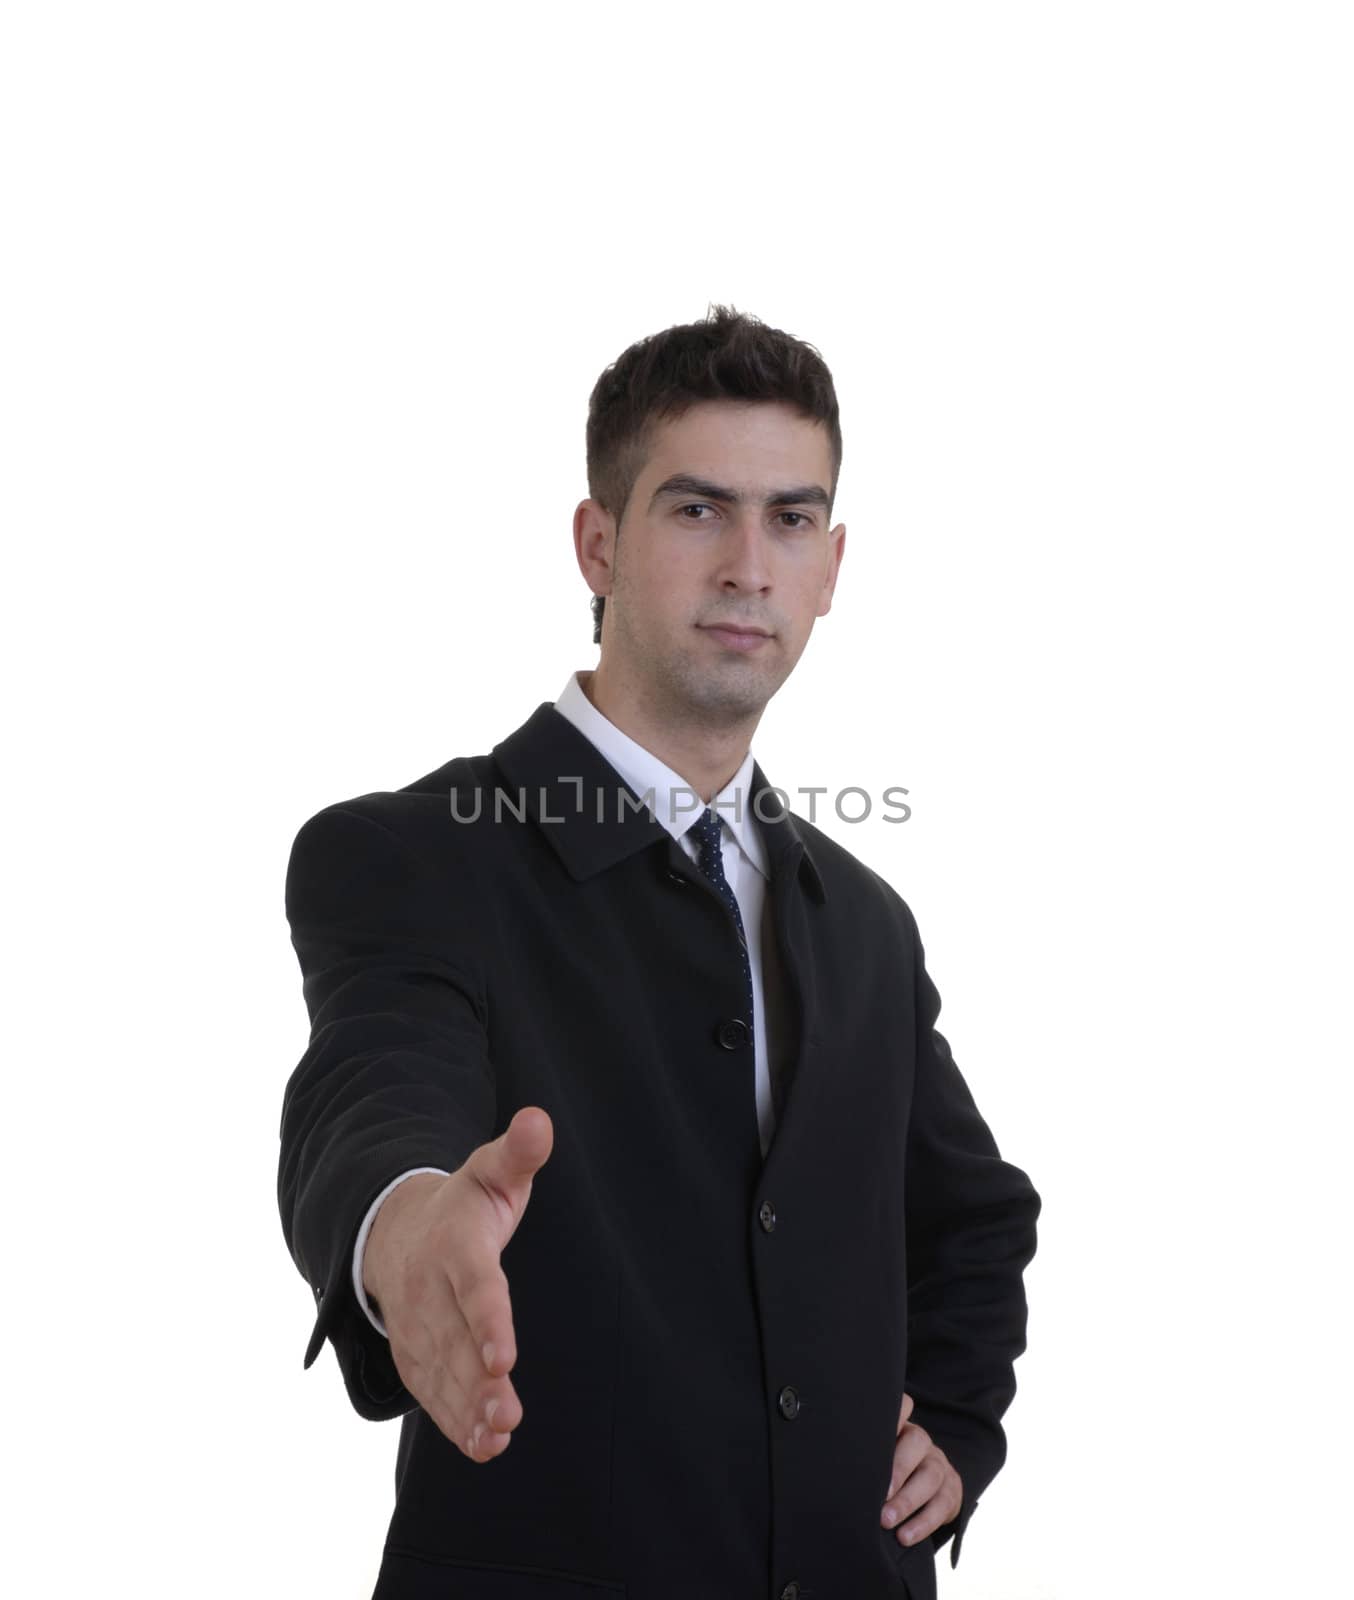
675 803
593 819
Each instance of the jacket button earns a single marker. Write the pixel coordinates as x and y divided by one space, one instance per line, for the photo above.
767 1216
790 1592
789 1403
732 1033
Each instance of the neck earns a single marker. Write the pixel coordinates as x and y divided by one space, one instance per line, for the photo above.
704 758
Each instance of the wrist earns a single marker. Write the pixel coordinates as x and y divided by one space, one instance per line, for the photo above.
385 1229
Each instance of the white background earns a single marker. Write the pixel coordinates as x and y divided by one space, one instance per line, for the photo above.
303 305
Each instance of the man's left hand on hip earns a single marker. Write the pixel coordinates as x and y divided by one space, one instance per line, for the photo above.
925 1491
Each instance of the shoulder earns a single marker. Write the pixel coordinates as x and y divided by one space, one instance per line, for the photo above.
394 837
407 812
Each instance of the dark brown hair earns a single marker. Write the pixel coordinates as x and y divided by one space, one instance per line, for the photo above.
727 356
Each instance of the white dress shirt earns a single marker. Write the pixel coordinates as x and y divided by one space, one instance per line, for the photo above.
676 807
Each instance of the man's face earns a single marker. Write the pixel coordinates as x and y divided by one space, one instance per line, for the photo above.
689 560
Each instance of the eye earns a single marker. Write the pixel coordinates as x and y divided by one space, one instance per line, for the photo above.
802 519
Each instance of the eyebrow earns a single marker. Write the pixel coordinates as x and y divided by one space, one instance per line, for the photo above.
807 494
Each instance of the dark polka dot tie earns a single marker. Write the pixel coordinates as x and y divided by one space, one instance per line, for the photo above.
706 830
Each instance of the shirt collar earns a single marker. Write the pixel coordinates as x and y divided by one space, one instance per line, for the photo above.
675 806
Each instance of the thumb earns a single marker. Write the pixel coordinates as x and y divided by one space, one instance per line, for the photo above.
524 1146
505 1166
905 1411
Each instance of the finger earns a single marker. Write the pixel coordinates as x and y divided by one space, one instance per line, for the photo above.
441 1363
905 1412
908 1453
943 1508
925 1522
490 1400
424 1357
487 1399
481 1347
480 1287
477 1415
916 1490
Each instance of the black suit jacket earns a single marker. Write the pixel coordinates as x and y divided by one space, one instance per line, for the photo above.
712 1348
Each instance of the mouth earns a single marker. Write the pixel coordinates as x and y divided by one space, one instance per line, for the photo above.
736 635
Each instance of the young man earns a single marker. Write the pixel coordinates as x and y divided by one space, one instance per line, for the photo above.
626 1162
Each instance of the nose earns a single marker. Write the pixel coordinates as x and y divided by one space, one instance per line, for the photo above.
745 557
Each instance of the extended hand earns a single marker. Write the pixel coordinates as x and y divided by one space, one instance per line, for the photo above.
924 1489
433 1265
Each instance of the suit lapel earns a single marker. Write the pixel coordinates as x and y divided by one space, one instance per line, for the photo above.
558 778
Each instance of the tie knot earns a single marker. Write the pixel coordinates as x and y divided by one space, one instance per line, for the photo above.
706 828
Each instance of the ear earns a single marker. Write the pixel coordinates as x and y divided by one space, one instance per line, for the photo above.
834 561
595 545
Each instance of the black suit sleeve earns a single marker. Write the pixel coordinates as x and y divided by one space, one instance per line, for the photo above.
970 1234
396 1074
